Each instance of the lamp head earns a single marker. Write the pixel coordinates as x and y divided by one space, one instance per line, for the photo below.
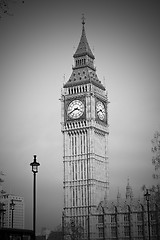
34 165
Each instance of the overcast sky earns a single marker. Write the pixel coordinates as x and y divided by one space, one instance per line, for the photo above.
36 51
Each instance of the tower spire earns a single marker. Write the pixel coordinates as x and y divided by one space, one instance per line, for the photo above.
129 193
83 70
83 48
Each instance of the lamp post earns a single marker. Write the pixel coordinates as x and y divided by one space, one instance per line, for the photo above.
34 166
12 204
103 220
147 195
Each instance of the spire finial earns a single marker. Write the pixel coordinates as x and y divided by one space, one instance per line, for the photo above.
83 19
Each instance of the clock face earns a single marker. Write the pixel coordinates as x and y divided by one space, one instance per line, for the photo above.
75 109
100 109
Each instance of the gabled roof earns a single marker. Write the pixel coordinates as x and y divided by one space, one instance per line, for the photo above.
83 47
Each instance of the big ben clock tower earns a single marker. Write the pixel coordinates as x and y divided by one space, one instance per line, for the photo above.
85 140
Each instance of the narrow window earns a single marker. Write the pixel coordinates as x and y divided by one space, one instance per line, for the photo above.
139 216
73 198
73 170
113 231
81 145
140 230
72 145
81 170
100 230
100 218
84 143
113 218
75 144
126 231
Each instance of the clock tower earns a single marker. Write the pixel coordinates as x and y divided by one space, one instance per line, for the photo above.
85 141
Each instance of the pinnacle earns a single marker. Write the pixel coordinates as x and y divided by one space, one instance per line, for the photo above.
83 47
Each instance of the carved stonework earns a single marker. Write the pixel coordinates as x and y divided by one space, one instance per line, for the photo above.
85 142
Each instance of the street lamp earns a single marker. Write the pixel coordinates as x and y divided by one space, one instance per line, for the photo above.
34 166
12 204
147 195
103 219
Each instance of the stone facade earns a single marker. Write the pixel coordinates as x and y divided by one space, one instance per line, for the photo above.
128 219
85 142
18 212
87 212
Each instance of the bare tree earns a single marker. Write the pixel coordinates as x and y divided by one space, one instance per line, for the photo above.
6 7
1 181
73 230
156 154
155 189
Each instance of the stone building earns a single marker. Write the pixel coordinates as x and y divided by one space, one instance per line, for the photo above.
87 213
13 217
85 141
129 218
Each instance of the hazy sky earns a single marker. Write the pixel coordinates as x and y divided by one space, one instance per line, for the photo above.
36 50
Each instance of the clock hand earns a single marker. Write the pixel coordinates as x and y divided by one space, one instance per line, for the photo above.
74 110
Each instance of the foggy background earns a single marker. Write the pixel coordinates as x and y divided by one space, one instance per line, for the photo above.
36 57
